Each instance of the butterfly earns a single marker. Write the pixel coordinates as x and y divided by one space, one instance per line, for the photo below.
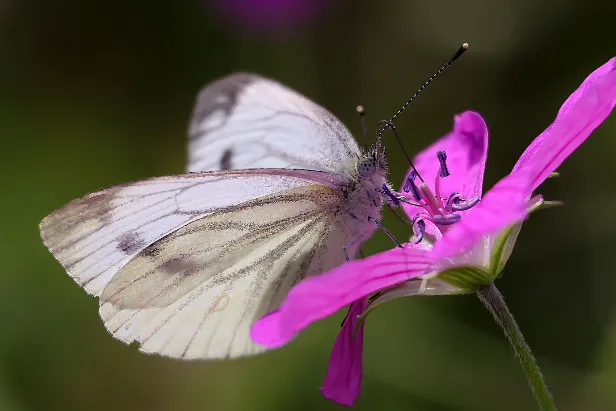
277 190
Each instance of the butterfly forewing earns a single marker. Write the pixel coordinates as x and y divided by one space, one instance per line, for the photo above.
247 121
94 236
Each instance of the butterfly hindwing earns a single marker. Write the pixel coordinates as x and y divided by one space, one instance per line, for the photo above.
196 292
247 121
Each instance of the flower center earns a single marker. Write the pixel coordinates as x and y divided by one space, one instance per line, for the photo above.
434 207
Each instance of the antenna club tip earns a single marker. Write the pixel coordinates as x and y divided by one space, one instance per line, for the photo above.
360 110
464 46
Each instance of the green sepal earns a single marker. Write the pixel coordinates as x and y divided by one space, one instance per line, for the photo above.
543 205
458 280
467 279
503 246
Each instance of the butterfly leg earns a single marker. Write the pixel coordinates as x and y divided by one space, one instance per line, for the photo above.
350 243
390 235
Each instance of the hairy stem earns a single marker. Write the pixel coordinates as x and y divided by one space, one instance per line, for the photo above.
495 303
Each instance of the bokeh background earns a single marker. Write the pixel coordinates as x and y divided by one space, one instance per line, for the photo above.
94 93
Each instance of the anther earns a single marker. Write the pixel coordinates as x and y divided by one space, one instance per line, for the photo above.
453 198
448 219
409 185
442 158
391 195
464 205
419 228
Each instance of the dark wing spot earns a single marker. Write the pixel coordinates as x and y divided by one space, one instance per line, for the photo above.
225 160
152 251
131 242
179 265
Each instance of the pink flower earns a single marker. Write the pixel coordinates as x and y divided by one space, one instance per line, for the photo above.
344 372
270 17
461 241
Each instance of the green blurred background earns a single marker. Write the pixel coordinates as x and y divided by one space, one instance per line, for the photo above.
95 93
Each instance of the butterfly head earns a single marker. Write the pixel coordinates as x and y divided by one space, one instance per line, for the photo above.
366 167
372 164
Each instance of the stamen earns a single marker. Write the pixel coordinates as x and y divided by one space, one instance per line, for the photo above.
419 228
448 219
437 191
388 193
409 185
431 201
423 216
442 158
464 205
453 199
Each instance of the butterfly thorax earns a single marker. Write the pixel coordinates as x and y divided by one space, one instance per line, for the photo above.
364 192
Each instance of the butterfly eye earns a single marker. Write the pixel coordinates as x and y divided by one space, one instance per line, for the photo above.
366 168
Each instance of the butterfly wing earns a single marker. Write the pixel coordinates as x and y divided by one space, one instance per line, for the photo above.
182 264
190 243
247 121
94 236
196 292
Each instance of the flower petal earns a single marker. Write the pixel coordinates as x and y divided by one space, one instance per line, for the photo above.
344 371
467 148
428 286
320 296
265 331
269 17
581 113
502 206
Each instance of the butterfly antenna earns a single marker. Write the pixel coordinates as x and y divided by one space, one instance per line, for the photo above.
362 116
460 51
384 124
388 123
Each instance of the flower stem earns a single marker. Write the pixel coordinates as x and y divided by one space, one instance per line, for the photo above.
495 303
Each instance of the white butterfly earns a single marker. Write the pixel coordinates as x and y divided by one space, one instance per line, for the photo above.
185 264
